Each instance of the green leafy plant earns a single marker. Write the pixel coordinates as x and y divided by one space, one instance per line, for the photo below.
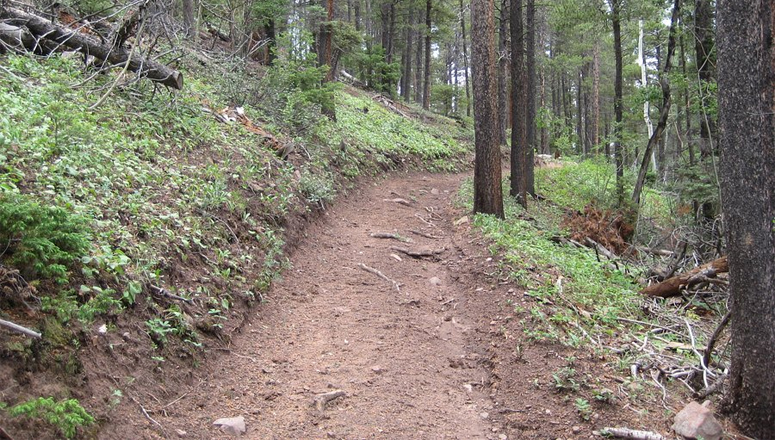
40 240
584 408
66 415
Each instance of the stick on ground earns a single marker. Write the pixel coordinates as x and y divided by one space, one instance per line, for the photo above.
379 274
633 434
321 400
20 329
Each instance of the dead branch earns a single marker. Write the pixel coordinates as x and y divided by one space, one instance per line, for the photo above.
705 392
600 248
712 341
419 253
673 286
391 236
17 328
46 31
379 274
389 104
632 434
321 400
423 234
165 293
398 200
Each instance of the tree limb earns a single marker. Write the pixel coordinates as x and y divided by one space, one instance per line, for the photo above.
17 328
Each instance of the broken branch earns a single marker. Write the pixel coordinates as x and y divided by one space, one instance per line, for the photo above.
379 274
389 235
420 253
633 434
673 286
19 329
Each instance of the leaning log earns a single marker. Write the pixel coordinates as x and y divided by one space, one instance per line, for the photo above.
673 286
43 29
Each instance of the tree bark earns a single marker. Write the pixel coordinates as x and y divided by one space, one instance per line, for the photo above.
465 58
618 113
488 196
595 123
746 73
703 30
407 70
530 109
426 96
44 29
673 286
189 18
664 81
518 187
503 62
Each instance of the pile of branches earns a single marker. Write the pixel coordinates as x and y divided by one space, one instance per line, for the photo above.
105 44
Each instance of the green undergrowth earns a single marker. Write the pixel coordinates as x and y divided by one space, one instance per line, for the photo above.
580 295
66 416
575 185
147 202
583 296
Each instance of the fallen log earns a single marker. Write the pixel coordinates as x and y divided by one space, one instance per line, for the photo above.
672 286
42 29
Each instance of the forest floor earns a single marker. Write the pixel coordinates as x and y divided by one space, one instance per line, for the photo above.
426 350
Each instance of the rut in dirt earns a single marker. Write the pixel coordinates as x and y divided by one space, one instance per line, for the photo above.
358 314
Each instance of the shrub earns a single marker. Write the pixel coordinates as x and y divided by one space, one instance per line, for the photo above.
66 415
40 240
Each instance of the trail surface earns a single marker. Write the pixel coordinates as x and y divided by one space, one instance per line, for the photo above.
398 345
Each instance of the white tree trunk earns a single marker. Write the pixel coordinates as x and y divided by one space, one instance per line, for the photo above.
643 84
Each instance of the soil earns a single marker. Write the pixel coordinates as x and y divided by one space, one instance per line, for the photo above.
422 348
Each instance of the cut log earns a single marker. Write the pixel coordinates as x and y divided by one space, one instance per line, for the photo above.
42 29
672 286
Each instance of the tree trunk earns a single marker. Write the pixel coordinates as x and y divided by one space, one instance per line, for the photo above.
579 127
407 70
673 286
618 113
703 30
426 96
595 122
503 61
465 58
747 120
189 18
664 81
488 197
418 89
41 28
518 187
530 122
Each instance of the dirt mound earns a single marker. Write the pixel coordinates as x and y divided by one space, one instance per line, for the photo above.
609 228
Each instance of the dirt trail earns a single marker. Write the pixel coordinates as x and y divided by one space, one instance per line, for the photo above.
406 358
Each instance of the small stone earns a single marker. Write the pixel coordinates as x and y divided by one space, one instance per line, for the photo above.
377 369
181 433
126 336
503 437
576 429
484 415
696 421
102 329
434 191
436 281
233 425
468 387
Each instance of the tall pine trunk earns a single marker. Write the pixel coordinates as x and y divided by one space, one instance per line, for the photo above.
488 197
746 73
